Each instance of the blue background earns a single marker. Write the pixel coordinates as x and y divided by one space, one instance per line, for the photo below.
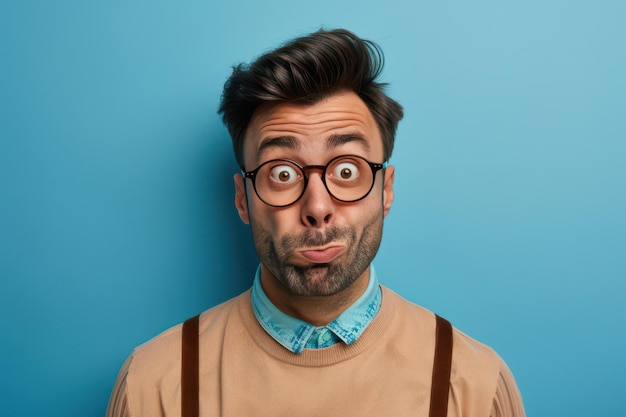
116 214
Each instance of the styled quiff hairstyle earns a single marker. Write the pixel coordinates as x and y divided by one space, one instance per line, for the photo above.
305 71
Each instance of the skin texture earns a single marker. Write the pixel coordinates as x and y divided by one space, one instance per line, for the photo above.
315 254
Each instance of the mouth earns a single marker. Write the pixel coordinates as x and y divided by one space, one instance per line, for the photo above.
322 255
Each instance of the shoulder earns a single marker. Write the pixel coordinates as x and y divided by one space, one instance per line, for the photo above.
467 351
476 367
165 348
151 374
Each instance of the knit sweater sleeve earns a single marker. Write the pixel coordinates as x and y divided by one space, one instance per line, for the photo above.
507 401
118 403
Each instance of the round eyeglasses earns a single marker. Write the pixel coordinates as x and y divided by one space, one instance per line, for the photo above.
281 182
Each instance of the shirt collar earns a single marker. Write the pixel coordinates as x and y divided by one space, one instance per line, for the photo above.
295 334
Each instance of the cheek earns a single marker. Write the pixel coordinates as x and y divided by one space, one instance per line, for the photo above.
358 216
274 222
360 212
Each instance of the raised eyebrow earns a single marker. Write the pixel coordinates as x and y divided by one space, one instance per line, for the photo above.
288 142
337 140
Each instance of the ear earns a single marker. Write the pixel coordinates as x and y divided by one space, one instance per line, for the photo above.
388 189
241 202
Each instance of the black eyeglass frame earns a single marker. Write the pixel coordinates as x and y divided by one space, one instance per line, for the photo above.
375 167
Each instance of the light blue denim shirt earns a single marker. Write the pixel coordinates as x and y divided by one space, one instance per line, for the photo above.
295 334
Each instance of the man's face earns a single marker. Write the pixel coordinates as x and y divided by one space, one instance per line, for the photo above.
317 246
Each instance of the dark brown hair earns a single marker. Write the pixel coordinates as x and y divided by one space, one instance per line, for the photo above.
307 70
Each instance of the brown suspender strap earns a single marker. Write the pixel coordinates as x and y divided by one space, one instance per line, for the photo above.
189 381
441 369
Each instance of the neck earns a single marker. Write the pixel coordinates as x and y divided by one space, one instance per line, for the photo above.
316 310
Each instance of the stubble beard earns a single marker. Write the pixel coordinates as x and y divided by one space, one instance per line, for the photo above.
319 279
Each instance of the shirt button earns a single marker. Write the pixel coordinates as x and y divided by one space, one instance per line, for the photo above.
326 336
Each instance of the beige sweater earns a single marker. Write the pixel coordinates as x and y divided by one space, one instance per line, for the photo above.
244 372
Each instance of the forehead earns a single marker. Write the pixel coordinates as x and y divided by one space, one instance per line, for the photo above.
339 121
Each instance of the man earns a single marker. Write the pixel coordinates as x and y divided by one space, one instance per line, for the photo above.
316 335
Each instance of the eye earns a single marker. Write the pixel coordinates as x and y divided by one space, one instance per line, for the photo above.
346 171
283 174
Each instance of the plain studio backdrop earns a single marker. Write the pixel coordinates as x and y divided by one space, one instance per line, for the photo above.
116 198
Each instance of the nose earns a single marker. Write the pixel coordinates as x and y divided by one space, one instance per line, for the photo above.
317 206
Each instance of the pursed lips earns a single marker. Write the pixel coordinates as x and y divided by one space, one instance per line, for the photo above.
322 255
